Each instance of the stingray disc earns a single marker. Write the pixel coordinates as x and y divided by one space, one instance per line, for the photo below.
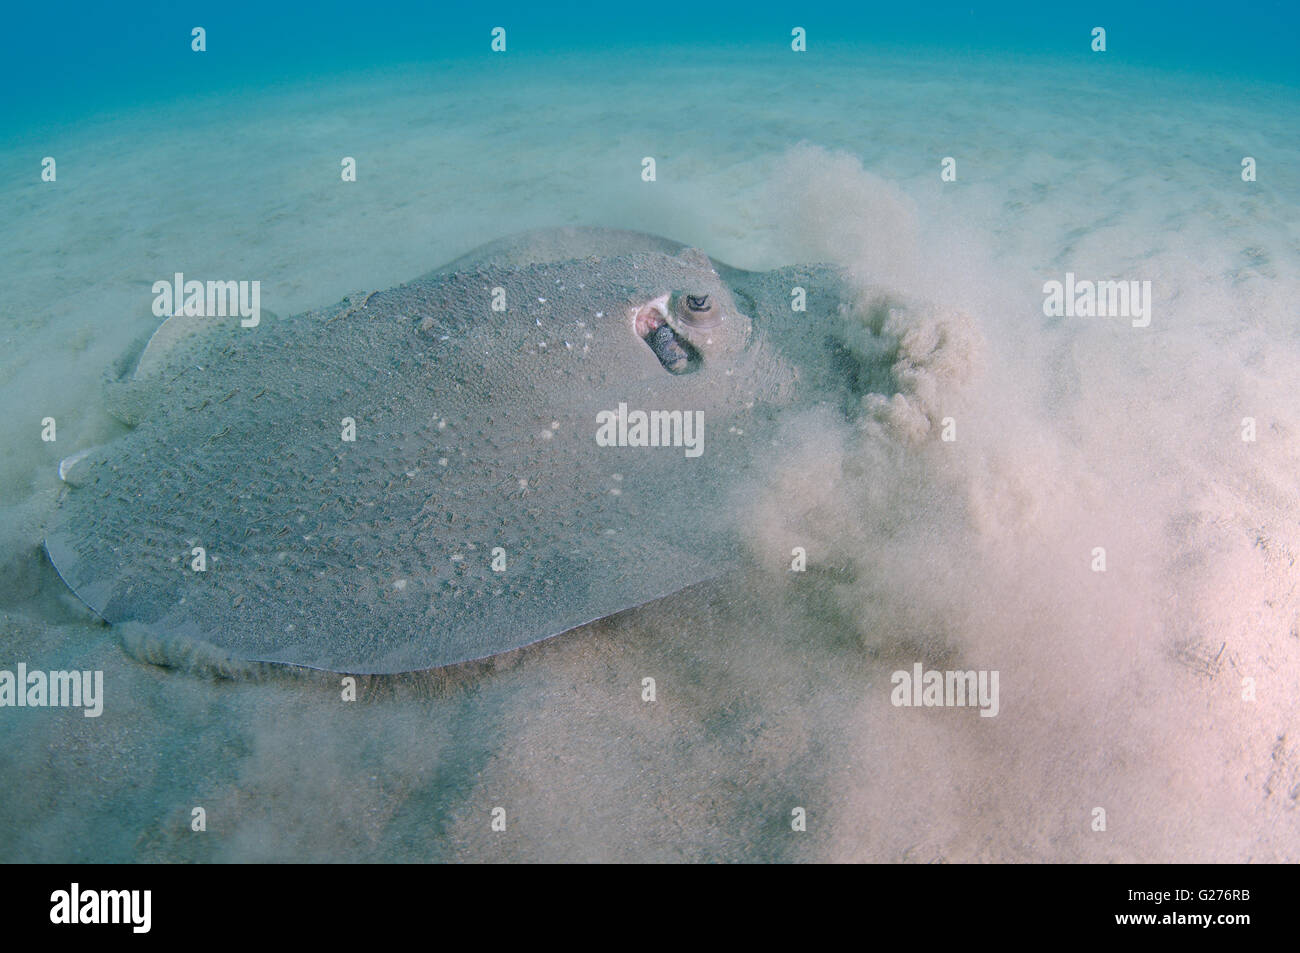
440 472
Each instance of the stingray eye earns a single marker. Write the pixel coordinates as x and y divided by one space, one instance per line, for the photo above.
697 311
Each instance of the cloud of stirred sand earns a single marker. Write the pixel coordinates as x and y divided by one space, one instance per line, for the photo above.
1121 689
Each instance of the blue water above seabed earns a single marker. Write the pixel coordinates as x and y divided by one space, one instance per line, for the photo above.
62 61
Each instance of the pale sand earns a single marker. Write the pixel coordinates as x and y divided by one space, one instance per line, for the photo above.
1120 690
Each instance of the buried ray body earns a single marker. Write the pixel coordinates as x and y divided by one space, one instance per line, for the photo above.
464 507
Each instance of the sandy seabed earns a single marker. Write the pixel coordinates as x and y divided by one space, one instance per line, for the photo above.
1162 690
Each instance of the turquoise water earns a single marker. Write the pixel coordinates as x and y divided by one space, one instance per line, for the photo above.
1121 689
95 57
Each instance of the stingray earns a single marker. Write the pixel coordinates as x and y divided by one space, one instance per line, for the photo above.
450 469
